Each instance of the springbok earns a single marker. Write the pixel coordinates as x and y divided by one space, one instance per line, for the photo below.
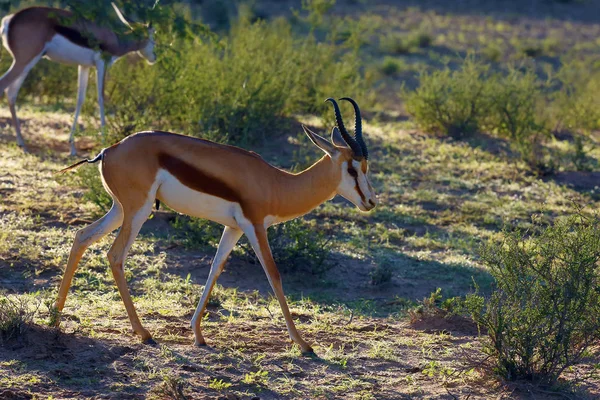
36 32
225 184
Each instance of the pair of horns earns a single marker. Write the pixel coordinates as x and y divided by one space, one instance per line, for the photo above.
129 21
356 143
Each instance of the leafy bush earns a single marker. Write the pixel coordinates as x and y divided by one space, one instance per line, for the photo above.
381 274
297 247
514 102
198 233
543 315
577 101
238 88
390 66
450 101
398 43
89 177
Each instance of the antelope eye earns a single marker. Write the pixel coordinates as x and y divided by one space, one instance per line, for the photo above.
352 172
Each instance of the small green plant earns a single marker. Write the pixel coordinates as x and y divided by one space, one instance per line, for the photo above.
197 233
219 384
256 378
297 247
381 274
394 43
450 101
543 315
421 40
390 66
492 52
398 43
15 314
171 388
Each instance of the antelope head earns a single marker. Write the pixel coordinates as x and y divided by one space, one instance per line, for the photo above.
350 157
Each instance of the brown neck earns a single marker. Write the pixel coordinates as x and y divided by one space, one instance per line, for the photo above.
305 191
129 44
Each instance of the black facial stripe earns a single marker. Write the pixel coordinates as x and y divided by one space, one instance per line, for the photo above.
360 193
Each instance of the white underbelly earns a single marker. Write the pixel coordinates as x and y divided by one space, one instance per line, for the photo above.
62 50
188 201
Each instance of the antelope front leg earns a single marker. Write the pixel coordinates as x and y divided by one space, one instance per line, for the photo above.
257 235
228 240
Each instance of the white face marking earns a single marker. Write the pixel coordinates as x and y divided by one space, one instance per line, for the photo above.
188 201
62 50
148 51
348 190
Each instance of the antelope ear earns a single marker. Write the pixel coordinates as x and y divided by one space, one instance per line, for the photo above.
336 138
321 142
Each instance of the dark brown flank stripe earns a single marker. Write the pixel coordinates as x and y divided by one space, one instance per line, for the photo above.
74 36
197 180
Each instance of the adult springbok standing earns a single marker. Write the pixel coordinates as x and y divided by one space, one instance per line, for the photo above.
225 184
37 32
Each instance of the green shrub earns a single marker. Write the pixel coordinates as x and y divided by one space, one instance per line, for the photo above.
238 88
543 315
399 43
394 43
514 102
297 246
381 274
420 39
577 101
450 101
390 66
197 233
89 177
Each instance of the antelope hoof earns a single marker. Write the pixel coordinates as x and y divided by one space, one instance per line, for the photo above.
54 320
308 351
200 343
149 342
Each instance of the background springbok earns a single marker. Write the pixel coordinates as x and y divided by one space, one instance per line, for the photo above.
56 34
225 184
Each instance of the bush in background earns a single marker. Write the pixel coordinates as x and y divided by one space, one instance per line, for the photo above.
577 102
450 101
297 247
239 88
514 100
543 315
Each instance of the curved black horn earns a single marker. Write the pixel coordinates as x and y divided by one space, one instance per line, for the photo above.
356 148
358 127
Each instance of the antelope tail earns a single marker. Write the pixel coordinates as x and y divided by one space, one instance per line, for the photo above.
77 164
